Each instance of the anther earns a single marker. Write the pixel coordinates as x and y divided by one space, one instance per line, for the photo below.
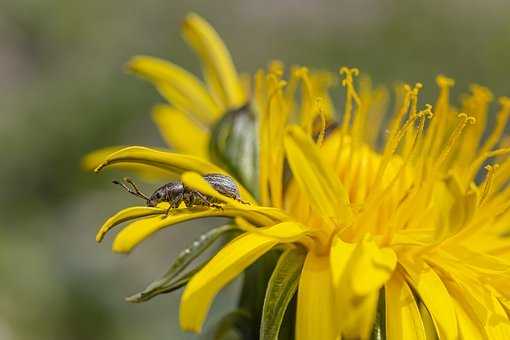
444 81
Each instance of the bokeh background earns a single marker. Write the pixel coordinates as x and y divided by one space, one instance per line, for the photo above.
63 93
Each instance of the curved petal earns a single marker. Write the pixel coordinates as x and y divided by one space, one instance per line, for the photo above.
219 69
358 272
181 88
134 233
126 215
435 296
229 262
403 319
181 132
91 160
169 161
315 178
197 182
315 310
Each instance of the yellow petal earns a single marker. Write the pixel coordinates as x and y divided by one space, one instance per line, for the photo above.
370 267
315 178
229 262
219 69
173 162
315 313
182 89
358 272
403 320
169 161
96 157
136 232
470 326
126 215
180 131
197 182
435 296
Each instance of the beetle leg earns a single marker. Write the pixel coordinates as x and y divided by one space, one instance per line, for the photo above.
201 197
174 204
243 202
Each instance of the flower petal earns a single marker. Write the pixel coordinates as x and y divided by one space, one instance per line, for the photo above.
169 161
136 232
315 311
173 162
315 178
197 182
219 69
181 88
126 215
403 319
435 296
229 262
358 272
181 132
96 157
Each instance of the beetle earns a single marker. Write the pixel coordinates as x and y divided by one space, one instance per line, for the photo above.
176 192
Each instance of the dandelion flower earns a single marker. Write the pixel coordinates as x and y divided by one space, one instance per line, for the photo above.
414 221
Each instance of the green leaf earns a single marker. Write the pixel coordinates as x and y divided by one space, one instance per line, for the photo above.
236 325
281 288
171 280
379 330
234 145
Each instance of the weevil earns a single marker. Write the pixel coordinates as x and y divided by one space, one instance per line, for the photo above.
176 192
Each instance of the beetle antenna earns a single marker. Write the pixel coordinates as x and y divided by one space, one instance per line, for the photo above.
131 191
135 188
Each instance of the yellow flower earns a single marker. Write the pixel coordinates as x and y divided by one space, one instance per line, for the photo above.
411 220
193 107
415 219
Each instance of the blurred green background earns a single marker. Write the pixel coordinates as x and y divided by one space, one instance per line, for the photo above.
63 93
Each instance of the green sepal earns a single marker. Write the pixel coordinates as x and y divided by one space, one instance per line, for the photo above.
236 325
234 145
171 280
280 290
379 329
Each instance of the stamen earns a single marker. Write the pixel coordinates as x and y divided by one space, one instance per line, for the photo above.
395 123
351 95
488 183
471 173
391 147
276 67
454 137
319 106
306 102
500 124
412 112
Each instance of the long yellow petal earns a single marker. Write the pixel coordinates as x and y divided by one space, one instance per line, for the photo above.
91 160
181 88
229 262
180 131
403 320
315 178
197 182
435 296
172 162
126 215
358 272
219 69
134 233
315 313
